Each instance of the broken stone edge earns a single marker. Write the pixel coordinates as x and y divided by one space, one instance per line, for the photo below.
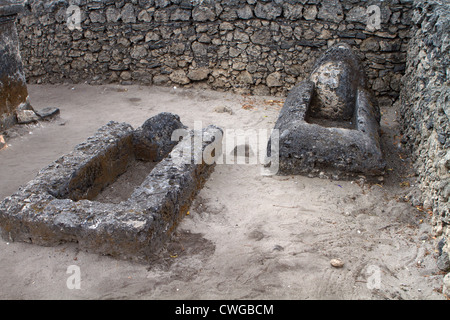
136 229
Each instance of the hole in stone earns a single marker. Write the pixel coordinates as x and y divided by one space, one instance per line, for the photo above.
110 177
121 189
330 118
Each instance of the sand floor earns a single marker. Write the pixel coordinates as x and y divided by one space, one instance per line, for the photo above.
247 236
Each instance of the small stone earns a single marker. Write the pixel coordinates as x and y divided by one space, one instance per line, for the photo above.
179 76
331 10
47 112
310 13
337 263
245 12
203 13
267 11
274 80
128 15
223 109
26 116
277 247
443 262
198 74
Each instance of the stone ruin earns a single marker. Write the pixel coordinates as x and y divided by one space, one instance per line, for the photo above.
61 204
329 124
15 106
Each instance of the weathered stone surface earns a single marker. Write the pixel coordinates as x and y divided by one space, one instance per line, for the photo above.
57 206
26 116
203 13
274 80
268 11
245 12
331 10
48 112
128 14
152 141
446 286
179 77
340 148
198 74
337 76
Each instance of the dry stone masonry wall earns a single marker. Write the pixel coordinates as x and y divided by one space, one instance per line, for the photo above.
259 47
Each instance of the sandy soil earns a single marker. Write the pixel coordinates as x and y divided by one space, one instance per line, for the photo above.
247 236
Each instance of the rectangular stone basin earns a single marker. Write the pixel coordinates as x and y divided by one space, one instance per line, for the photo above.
60 204
329 124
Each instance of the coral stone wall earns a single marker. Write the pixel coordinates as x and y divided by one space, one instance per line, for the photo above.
425 110
259 47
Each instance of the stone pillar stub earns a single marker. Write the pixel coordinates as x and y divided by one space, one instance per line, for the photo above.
13 87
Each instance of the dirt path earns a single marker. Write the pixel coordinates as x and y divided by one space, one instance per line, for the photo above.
247 236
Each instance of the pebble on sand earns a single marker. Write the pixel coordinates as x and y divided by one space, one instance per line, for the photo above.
337 263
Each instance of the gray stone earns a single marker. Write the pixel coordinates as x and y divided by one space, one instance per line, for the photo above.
357 14
59 204
337 76
199 49
245 12
292 11
262 37
26 116
13 85
138 52
310 13
203 13
274 80
48 112
180 15
446 285
443 262
128 15
160 79
268 11
97 17
245 77
312 141
331 10
198 74
179 77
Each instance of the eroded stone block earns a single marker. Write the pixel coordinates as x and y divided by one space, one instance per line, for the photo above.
59 204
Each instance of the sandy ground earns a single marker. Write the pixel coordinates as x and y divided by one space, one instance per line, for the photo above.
247 236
